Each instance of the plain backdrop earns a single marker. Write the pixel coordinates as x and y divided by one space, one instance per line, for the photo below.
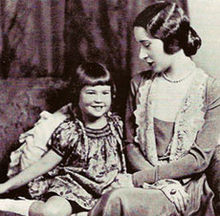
205 18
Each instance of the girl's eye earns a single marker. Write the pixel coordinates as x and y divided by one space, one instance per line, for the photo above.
90 92
106 92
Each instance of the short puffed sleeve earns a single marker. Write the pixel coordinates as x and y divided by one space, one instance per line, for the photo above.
64 138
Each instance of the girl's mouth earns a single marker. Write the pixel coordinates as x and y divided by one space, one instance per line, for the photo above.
98 108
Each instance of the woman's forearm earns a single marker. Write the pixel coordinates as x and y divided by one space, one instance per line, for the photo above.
136 159
187 166
45 164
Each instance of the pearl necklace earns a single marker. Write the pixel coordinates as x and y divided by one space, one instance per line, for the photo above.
175 81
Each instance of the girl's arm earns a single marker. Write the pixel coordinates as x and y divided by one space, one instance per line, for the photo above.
199 157
45 164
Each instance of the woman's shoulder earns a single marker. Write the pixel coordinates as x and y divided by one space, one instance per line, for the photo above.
138 79
213 91
213 83
144 75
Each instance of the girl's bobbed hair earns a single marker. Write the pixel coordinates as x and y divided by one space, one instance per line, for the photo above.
90 74
168 22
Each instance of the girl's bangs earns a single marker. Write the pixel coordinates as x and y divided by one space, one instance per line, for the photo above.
96 81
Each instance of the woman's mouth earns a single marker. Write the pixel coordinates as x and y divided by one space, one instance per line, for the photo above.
150 62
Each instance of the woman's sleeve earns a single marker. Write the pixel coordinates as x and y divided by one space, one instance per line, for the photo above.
63 138
135 158
198 158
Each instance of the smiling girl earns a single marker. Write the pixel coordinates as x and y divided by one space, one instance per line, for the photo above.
85 152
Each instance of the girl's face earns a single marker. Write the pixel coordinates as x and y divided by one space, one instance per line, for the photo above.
95 101
152 50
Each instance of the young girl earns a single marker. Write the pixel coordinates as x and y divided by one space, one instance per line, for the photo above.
85 156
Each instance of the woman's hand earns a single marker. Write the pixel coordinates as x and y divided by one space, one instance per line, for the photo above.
138 179
123 180
174 191
177 195
143 176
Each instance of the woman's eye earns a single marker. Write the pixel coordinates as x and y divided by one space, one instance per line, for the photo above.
146 44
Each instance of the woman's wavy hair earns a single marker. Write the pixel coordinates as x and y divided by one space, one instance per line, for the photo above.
168 22
92 74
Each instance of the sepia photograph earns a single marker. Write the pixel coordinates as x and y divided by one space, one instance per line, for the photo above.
109 108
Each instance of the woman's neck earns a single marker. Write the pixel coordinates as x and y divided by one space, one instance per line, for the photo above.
95 123
181 67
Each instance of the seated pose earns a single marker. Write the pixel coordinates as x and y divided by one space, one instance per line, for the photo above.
172 122
84 157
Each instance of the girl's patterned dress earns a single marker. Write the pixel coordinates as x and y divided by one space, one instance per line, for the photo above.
92 158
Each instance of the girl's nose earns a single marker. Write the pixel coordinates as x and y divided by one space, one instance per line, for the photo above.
98 98
143 53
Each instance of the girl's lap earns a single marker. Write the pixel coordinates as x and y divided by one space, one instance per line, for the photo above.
54 199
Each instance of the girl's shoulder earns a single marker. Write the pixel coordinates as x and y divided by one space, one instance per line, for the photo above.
69 127
114 117
66 134
116 122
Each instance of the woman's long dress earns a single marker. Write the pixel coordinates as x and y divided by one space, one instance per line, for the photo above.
189 168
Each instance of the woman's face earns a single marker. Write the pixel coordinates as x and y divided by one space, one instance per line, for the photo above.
152 51
95 101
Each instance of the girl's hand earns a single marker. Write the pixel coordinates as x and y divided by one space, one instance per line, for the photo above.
3 188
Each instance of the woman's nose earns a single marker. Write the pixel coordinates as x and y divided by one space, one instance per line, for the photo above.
143 53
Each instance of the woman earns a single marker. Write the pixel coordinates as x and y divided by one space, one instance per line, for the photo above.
172 122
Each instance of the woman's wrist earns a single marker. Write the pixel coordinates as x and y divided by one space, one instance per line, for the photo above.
156 174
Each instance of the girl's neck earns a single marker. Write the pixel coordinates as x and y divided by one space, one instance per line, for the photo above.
95 123
181 67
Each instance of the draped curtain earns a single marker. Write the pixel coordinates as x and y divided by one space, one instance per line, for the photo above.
41 38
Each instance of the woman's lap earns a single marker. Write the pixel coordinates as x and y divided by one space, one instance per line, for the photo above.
145 202
135 202
201 197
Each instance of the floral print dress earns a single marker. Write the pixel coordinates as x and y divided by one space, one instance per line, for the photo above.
92 158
